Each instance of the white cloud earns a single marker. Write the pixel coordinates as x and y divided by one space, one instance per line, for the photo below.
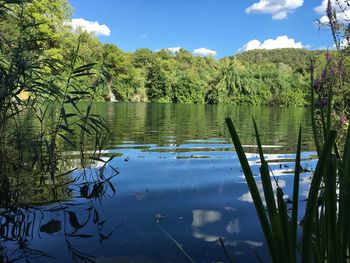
279 9
204 52
279 42
280 16
341 16
174 50
321 8
90 26
253 44
343 43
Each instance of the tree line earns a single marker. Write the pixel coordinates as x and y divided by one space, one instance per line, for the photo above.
276 77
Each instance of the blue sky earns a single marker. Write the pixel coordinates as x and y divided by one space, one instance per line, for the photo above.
223 27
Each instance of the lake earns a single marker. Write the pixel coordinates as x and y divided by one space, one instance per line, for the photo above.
179 188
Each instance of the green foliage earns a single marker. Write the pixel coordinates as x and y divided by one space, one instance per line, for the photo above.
296 59
188 89
158 85
39 90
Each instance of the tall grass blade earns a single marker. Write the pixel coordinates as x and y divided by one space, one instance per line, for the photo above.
225 250
344 196
346 157
252 187
313 110
265 178
295 205
179 246
276 230
312 198
283 228
331 207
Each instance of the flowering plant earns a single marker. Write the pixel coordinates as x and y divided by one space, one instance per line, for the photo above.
330 93
325 235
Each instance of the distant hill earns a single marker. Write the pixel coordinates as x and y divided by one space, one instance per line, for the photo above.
297 59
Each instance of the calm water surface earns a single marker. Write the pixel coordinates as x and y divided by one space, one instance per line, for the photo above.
180 187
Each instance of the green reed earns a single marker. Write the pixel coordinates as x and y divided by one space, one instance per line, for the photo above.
325 225
35 131
326 221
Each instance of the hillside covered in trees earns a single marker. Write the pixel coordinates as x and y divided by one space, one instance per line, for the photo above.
255 77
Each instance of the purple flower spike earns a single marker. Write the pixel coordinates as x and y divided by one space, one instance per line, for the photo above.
324 74
341 68
321 103
342 120
324 102
328 57
317 84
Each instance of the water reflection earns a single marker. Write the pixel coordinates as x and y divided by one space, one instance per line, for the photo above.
65 211
177 171
197 233
22 228
233 227
247 197
202 217
178 124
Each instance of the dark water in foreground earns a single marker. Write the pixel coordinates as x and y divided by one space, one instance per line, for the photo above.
179 188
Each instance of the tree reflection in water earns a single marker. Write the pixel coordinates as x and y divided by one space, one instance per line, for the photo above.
75 219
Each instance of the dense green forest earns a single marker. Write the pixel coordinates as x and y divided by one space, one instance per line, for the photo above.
255 77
